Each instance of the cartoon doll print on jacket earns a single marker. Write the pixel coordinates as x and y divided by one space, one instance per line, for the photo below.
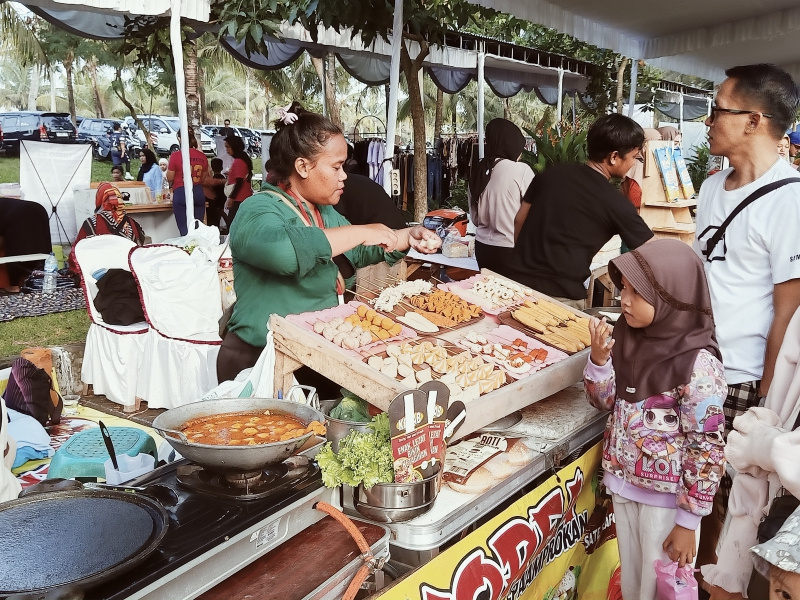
669 443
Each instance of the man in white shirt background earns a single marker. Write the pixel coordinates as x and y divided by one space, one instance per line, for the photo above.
754 270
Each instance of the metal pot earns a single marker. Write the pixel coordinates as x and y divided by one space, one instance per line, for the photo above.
234 459
338 428
397 502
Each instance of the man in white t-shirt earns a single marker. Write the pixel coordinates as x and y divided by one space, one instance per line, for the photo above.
754 271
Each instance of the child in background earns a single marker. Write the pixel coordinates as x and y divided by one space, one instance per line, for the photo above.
778 559
662 456
215 195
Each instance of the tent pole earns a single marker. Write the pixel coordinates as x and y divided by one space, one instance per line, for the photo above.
481 99
680 114
394 86
560 102
634 81
180 88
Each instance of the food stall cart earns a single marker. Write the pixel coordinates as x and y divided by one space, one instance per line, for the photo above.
557 423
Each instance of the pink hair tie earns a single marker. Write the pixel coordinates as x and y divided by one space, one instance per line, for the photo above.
287 117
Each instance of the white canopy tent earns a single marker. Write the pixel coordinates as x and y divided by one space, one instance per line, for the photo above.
696 38
197 10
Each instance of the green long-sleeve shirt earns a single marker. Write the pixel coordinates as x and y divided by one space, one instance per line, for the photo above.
281 266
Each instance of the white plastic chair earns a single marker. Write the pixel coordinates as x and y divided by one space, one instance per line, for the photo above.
182 304
113 353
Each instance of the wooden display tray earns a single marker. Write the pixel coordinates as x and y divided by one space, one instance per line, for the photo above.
295 347
507 318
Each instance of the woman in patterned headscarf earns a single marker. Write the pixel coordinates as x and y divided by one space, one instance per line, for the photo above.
109 218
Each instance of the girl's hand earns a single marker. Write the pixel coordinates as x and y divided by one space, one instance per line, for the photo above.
601 346
378 234
418 234
680 545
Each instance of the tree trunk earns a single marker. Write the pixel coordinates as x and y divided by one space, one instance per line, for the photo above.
119 89
91 64
70 89
330 90
319 67
506 109
33 89
437 121
203 108
193 85
621 83
411 70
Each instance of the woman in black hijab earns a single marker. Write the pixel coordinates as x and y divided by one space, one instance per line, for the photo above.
150 172
496 187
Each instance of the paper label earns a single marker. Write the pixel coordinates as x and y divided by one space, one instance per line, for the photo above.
466 457
267 535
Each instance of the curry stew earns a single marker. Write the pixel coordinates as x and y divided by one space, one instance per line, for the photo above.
248 428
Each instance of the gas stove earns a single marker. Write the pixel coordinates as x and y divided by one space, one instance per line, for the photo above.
218 525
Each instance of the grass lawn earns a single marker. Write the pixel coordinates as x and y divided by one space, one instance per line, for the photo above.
49 330
101 171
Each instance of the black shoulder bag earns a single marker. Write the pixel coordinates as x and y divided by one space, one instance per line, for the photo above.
719 234
783 505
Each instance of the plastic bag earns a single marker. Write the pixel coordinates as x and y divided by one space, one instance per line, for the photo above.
455 246
200 237
255 382
675 583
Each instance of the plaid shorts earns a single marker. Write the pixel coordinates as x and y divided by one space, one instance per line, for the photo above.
741 396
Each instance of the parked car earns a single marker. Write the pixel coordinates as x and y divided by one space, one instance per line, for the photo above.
36 126
164 132
206 141
251 137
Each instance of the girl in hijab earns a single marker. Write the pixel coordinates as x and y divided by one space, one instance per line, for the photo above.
664 386
109 219
496 187
150 172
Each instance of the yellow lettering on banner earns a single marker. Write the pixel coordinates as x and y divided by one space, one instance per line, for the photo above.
556 543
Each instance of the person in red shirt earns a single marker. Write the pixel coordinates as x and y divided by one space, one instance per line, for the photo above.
199 166
240 175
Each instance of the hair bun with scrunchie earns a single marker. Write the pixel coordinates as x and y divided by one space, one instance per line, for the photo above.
289 115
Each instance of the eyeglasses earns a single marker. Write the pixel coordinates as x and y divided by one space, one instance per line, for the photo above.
733 111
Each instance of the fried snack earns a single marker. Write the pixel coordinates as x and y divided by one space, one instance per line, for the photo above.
437 319
448 305
527 319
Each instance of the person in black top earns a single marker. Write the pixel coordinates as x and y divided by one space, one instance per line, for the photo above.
571 211
119 151
364 202
227 130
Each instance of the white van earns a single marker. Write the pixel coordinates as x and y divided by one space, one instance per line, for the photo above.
165 133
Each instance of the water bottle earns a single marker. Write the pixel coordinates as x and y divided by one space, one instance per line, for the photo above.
50 274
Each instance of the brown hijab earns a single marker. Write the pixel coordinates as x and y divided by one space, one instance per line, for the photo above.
661 356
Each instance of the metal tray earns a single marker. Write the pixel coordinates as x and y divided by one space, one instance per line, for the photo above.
334 588
422 534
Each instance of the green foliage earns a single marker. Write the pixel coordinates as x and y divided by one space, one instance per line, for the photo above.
362 458
699 165
458 196
552 148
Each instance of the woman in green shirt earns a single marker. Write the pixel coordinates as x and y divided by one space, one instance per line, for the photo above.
291 249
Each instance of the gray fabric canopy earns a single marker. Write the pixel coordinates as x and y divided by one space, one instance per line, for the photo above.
697 38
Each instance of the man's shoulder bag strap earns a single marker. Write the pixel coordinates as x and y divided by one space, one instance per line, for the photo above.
720 232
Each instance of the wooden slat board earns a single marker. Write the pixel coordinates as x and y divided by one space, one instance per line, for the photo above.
298 566
308 348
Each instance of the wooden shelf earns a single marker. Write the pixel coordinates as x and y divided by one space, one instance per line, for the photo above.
677 228
680 203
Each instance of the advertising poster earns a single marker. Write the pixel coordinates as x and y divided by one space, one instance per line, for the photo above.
556 543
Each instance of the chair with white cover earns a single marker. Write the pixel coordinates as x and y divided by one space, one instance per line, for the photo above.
182 304
113 353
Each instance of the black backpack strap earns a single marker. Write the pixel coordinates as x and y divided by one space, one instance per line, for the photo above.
720 233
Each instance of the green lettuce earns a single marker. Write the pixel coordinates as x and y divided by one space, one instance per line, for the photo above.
362 458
